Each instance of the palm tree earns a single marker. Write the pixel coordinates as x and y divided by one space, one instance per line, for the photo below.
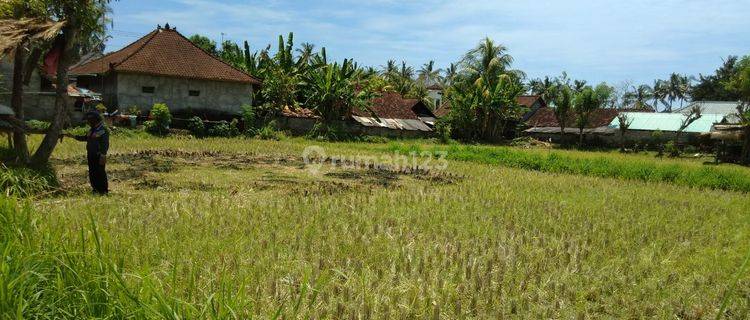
450 75
659 93
639 97
547 88
428 74
678 88
487 60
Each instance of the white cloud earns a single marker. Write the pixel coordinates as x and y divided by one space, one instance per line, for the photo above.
602 40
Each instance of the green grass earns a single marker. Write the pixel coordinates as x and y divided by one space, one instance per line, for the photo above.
235 228
605 165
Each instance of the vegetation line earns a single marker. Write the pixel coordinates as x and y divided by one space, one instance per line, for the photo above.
605 167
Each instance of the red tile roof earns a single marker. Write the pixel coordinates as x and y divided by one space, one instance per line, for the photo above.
545 117
165 52
526 101
391 105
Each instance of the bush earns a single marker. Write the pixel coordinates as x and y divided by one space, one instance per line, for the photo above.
671 149
234 128
443 131
270 132
196 127
324 132
249 117
220 129
24 182
161 119
36 125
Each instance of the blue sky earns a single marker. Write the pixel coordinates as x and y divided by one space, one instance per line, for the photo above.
611 41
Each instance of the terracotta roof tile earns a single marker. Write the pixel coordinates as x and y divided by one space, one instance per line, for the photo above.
391 105
526 101
165 52
545 117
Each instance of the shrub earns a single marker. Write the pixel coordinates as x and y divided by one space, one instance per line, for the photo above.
36 125
133 111
248 117
443 131
220 129
196 126
671 149
24 182
234 128
270 132
161 119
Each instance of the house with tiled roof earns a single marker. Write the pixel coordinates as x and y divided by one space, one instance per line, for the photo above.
391 110
543 124
165 67
531 102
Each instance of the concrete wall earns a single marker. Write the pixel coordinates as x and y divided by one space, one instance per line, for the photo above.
38 104
222 97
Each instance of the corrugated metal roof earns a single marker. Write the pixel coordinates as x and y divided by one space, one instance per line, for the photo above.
716 107
397 124
668 121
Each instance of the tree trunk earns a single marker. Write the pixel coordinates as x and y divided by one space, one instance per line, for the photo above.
562 133
16 102
580 137
44 152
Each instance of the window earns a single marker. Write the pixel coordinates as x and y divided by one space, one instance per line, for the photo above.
194 93
148 89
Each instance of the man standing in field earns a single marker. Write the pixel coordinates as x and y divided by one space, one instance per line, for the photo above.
97 144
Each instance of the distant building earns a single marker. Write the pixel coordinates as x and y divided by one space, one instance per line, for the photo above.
391 110
530 102
544 125
726 108
435 93
165 67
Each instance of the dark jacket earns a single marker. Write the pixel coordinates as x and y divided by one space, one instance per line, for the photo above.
97 141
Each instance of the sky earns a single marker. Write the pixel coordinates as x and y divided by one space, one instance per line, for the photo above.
614 41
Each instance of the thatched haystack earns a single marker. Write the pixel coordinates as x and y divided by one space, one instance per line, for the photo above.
13 33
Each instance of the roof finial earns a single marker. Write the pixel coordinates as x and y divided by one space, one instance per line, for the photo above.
158 27
166 26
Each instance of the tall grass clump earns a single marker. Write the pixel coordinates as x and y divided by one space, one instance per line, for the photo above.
24 182
49 275
601 166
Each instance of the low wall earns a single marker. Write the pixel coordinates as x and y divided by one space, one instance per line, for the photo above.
301 126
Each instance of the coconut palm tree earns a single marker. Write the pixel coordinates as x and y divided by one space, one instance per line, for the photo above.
428 75
450 75
659 93
487 60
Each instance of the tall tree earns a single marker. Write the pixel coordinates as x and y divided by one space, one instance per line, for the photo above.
487 60
82 23
428 75
638 97
563 104
739 84
713 88
586 103
204 43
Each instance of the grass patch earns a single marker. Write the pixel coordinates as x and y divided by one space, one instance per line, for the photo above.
237 228
604 166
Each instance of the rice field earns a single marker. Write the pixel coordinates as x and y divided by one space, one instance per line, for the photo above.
234 228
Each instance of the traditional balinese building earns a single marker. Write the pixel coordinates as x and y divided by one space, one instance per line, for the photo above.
165 67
